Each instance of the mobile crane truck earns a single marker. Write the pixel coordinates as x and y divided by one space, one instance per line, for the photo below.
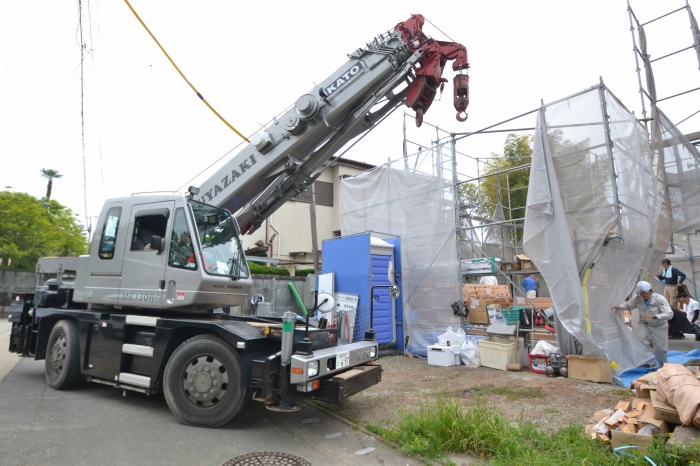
139 314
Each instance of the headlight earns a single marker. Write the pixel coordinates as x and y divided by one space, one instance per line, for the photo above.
373 352
312 369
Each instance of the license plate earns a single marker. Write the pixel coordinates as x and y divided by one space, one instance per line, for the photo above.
342 360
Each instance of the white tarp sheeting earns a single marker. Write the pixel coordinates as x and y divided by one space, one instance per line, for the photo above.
413 200
597 217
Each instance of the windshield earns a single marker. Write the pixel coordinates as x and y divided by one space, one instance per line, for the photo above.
222 251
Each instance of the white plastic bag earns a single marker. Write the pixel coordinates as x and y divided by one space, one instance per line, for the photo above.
469 353
452 338
544 347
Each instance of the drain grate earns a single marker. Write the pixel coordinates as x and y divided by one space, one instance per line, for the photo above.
272 458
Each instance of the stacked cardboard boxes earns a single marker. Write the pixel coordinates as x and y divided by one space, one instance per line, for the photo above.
478 299
541 303
522 262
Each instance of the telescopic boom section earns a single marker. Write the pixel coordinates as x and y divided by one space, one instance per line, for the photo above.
422 89
402 66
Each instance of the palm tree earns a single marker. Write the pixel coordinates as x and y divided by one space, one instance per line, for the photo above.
50 174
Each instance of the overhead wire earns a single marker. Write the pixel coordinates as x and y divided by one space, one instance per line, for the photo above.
82 111
201 97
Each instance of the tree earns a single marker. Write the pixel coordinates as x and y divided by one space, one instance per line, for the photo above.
507 185
501 184
50 174
32 228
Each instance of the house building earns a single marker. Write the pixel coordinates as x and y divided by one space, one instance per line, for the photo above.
285 238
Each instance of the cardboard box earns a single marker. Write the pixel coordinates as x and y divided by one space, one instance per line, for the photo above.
508 266
477 291
481 304
589 368
662 411
524 262
443 355
619 438
541 303
478 316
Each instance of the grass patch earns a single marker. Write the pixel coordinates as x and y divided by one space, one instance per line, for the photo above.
511 393
445 426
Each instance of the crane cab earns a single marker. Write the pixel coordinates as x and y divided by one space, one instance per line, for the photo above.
163 252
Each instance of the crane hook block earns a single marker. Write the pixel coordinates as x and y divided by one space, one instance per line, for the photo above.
461 95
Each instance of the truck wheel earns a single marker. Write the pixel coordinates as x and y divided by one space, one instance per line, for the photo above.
202 382
62 365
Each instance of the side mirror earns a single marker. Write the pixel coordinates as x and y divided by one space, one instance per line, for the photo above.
157 243
309 289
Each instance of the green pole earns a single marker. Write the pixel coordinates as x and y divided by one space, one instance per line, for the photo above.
297 299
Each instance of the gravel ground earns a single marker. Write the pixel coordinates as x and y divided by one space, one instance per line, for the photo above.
551 402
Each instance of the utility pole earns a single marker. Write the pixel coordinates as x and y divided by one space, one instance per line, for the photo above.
314 241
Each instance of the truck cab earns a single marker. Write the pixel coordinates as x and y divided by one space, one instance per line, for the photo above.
163 252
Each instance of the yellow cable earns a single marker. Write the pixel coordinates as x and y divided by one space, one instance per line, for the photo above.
586 308
181 74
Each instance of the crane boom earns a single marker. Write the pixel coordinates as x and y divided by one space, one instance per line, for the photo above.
282 159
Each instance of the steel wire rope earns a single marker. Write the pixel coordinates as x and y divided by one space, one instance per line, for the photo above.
201 97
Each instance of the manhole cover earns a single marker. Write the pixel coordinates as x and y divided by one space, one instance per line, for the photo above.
267 458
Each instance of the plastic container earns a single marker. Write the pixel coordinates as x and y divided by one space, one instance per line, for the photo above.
496 353
511 316
538 363
443 355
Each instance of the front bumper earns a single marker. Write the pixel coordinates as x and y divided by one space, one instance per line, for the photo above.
342 386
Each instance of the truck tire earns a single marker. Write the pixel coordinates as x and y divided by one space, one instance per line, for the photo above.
202 382
62 365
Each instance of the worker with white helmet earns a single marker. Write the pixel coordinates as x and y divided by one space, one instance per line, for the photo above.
650 315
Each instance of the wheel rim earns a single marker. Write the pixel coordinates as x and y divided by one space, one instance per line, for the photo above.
57 357
205 380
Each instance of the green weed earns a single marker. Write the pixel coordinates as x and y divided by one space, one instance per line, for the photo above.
444 426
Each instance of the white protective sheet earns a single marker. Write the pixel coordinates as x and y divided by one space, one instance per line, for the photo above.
596 218
413 200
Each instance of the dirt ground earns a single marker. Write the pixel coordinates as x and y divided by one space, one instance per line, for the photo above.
551 402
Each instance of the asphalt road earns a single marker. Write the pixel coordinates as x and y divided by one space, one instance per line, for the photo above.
95 424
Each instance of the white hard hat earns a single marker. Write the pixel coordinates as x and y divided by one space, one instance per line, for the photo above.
643 287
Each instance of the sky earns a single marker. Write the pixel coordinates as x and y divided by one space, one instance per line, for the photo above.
126 122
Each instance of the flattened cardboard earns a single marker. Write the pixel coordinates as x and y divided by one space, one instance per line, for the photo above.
664 412
589 368
643 391
619 438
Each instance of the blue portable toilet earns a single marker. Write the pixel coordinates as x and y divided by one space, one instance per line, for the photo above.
361 264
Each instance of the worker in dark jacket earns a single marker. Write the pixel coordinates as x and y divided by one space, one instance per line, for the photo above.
671 277
679 325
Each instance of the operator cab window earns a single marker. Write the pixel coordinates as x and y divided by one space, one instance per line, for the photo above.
147 225
181 253
109 233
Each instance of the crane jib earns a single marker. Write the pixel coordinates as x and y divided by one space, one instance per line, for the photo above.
343 79
226 181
